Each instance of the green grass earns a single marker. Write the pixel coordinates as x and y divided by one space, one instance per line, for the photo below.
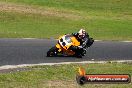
103 19
85 5
59 76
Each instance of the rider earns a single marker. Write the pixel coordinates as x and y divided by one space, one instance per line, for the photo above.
84 40
81 36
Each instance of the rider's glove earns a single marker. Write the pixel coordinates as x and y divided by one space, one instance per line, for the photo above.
75 34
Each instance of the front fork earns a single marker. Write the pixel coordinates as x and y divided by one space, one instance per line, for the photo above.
59 47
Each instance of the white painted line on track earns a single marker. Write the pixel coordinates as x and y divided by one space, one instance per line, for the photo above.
111 41
98 40
126 41
29 38
61 63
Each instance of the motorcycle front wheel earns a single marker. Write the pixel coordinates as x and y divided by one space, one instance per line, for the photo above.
52 52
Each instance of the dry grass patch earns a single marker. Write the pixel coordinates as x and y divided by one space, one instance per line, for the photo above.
20 8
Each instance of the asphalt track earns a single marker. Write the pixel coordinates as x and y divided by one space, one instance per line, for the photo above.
33 51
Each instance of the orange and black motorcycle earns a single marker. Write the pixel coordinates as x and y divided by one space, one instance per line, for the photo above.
65 47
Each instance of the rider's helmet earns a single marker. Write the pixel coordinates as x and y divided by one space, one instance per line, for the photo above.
81 33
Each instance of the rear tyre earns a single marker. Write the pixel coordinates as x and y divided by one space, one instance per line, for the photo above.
52 52
78 52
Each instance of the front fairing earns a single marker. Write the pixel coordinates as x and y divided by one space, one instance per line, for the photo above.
65 42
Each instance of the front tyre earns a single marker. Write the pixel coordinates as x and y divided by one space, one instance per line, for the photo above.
52 52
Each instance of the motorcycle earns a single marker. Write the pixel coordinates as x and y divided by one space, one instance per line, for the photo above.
66 46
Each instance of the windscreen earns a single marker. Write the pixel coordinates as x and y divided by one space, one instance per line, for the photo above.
68 38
